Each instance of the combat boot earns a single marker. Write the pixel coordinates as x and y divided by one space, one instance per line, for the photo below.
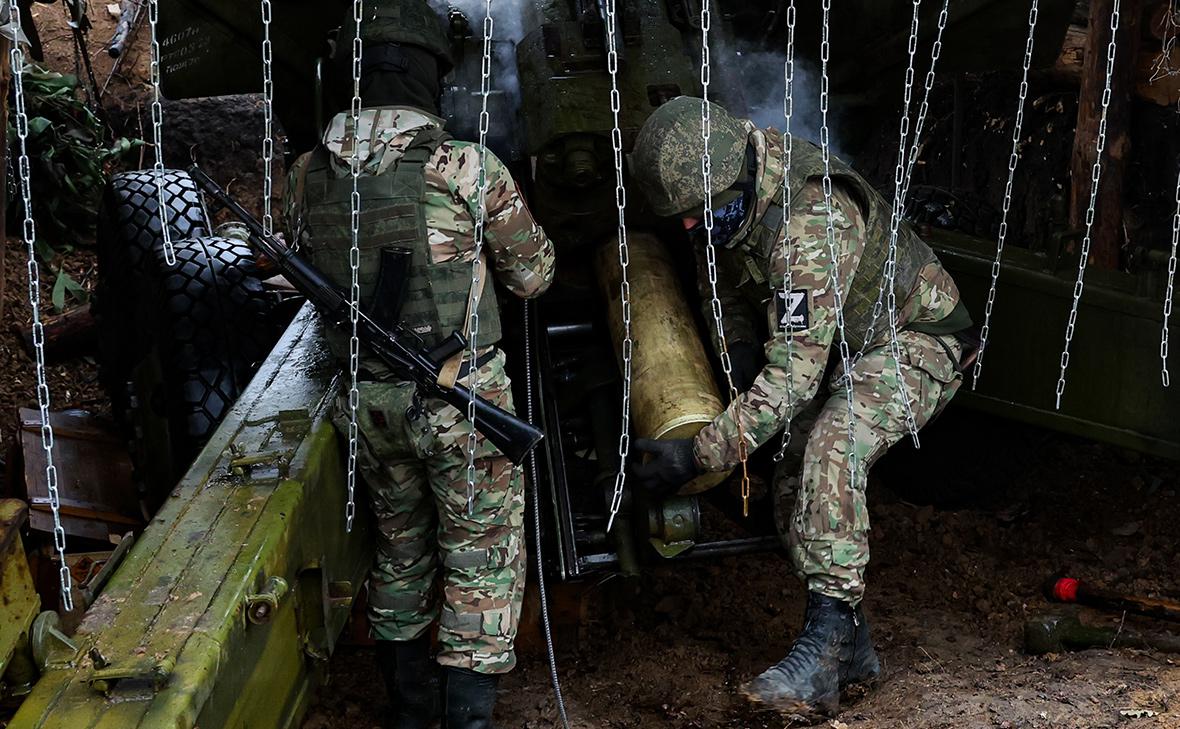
828 655
411 679
864 668
468 698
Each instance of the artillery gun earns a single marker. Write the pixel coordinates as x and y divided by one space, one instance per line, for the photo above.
225 612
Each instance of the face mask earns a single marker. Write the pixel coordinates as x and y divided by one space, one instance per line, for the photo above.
729 218
727 221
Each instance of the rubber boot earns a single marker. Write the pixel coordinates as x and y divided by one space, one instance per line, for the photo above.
411 678
808 681
864 668
468 698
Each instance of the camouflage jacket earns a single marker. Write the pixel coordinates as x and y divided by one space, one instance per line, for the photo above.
753 277
520 252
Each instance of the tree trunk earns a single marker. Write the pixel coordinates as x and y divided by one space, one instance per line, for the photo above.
1108 223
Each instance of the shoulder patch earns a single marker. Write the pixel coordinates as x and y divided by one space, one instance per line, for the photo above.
794 310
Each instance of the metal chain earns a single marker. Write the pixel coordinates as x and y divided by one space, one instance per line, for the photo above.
535 477
354 263
711 249
1013 161
158 131
924 107
16 57
787 253
1168 299
902 391
825 147
899 172
616 104
485 90
1095 178
268 99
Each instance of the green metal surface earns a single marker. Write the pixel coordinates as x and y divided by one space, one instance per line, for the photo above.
19 602
1113 391
180 634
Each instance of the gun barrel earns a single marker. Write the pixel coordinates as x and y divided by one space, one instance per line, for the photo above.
512 436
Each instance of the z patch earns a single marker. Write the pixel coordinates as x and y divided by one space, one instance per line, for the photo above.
794 310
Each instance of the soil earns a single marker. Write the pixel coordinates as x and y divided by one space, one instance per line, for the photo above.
950 587
961 544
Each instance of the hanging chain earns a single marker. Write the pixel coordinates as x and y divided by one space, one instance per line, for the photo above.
1013 161
16 57
891 264
1095 178
924 107
485 90
711 249
158 131
787 253
825 147
354 263
616 104
1168 299
268 99
899 171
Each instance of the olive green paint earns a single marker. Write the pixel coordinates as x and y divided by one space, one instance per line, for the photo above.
259 516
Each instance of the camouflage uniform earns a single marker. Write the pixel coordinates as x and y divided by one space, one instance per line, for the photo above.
412 452
825 525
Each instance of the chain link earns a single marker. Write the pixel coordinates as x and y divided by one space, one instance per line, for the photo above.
826 149
711 248
1095 178
899 170
924 107
1168 299
616 104
354 263
1013 161
785 243
29 234
268 141
485 90
158 131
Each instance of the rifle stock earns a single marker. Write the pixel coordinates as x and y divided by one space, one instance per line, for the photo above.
514 437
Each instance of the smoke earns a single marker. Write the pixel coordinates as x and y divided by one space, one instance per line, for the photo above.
462 102
753 86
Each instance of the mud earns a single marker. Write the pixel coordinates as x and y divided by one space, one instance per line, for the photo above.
952 582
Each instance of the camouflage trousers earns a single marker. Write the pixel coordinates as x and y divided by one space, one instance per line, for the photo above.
435 561
825 525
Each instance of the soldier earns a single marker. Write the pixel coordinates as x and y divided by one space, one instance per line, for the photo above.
825 526
436 561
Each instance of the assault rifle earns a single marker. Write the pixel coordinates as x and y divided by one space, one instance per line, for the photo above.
399 349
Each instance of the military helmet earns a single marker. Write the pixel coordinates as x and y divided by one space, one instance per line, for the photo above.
666 160
408 22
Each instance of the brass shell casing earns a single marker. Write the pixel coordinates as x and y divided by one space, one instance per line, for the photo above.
673 392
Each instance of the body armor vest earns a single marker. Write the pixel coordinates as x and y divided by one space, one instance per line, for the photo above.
912 252
392 216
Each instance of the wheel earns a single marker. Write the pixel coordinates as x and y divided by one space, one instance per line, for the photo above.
129 232
179 342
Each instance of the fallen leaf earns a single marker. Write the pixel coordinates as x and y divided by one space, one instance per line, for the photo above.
1136 713
1126 530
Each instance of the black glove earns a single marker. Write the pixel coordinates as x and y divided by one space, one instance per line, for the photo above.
672 464
745 360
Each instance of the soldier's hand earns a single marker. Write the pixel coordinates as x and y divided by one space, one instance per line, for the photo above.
746 360
671 464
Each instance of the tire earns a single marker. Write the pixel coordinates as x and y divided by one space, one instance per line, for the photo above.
213 328
129 234
179 342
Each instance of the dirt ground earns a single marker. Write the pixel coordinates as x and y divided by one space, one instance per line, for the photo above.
951 585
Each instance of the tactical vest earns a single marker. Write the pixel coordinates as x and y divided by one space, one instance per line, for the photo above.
392 216
912 252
